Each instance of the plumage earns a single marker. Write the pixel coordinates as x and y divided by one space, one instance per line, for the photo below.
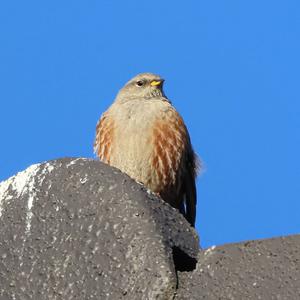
144 136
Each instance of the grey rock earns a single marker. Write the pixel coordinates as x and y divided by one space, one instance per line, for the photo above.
79 229
262 269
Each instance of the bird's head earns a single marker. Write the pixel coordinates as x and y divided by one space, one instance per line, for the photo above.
145 85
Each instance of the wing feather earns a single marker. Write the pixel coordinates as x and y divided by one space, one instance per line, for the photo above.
104 138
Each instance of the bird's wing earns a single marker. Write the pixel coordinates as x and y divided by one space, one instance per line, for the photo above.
189 187
175 163
104 137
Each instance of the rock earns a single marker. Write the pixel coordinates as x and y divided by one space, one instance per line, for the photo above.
262 269
79 229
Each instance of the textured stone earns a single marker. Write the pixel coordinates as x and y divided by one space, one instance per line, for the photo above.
262 269
78 229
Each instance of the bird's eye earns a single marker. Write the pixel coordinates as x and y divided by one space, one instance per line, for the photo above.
140 83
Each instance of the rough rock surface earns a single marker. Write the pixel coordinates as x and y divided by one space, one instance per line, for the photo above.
78 229
262 269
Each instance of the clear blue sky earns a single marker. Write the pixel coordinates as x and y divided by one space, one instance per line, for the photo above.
232 69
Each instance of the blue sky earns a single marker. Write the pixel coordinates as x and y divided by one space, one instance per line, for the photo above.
231 69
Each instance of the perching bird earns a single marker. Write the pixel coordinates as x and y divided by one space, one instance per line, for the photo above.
144 136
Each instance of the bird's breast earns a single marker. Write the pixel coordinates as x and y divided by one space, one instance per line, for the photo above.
148 143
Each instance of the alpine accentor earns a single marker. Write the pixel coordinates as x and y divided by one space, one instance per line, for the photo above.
144 136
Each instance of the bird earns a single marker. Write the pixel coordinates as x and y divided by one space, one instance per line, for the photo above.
144 136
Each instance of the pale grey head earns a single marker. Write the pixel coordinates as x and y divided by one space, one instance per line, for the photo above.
143 86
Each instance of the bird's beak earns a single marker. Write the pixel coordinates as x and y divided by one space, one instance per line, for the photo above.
157 82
